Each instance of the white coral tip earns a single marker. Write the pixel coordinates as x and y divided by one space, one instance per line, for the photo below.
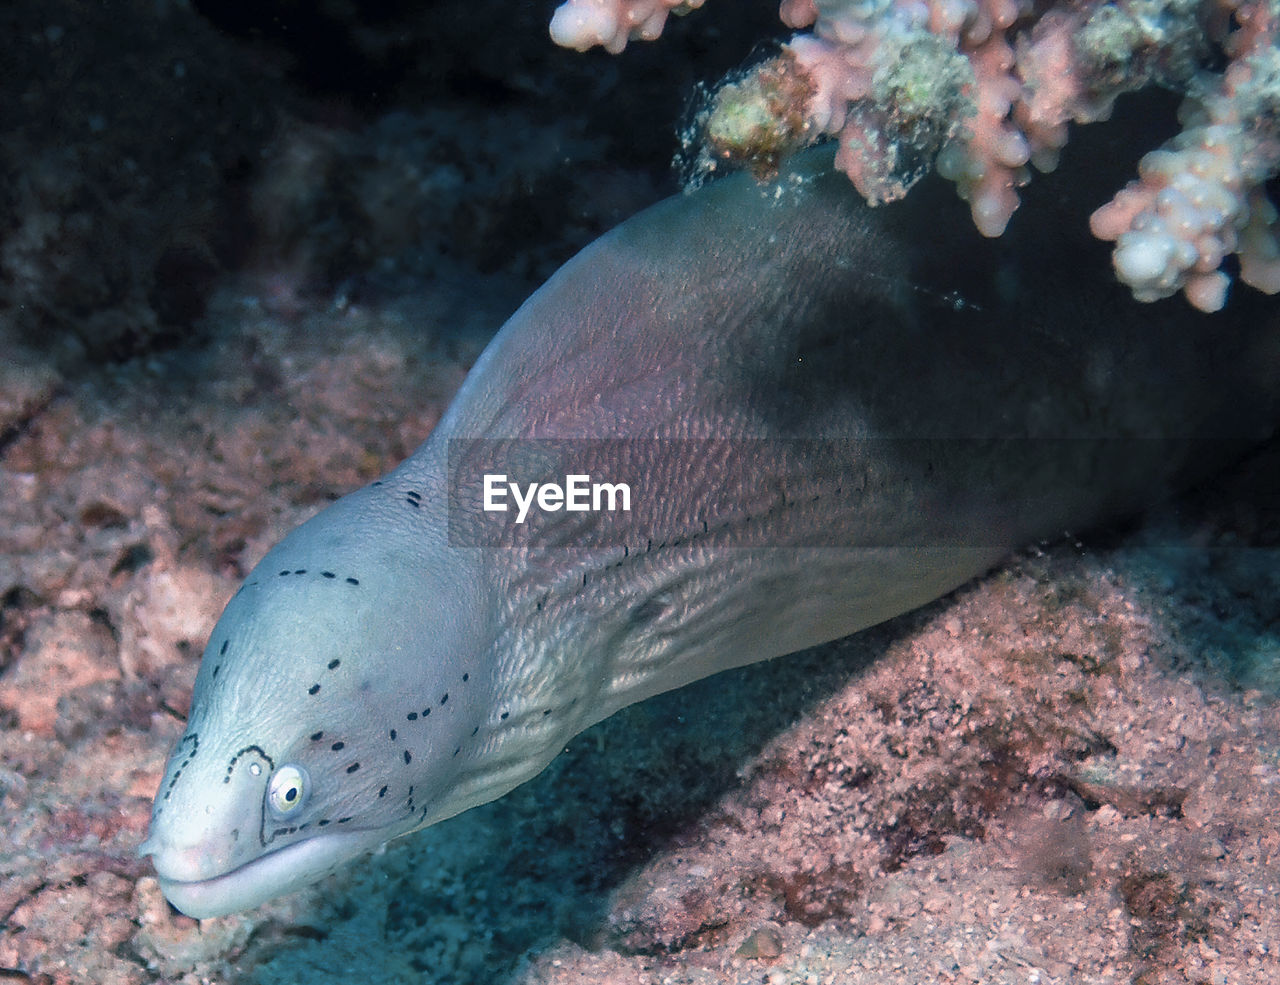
580 25
1143 259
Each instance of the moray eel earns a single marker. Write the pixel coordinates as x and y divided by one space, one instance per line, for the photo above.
827 415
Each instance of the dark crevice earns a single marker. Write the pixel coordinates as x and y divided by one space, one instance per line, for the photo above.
18 429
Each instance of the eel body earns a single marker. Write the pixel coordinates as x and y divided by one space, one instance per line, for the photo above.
827 415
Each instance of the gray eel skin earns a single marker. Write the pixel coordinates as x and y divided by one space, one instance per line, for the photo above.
833 414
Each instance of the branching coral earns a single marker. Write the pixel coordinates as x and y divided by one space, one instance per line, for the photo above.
984 90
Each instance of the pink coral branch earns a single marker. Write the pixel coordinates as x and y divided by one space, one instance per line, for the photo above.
1200 198
985 89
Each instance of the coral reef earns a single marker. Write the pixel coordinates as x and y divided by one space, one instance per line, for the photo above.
983 90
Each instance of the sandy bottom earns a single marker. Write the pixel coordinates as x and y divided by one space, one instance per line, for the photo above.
1065 772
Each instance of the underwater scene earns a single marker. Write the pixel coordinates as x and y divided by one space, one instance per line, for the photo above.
640 492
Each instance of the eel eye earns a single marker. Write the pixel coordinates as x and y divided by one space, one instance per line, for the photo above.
287 791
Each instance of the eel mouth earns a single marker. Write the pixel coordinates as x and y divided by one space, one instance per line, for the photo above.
271 874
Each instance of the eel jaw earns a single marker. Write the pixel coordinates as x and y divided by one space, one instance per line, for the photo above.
272 874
